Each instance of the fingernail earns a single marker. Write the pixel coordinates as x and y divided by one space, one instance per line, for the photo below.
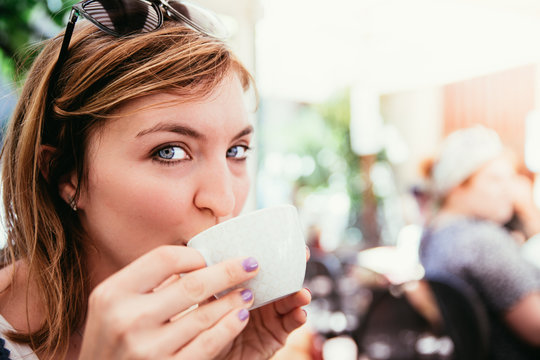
309 291
250 264
246 295
243 314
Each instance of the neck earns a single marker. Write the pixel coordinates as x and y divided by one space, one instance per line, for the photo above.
449 214
457 205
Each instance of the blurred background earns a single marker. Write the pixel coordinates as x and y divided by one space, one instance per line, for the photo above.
354 95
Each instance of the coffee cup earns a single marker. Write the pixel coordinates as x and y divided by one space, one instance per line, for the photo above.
273 236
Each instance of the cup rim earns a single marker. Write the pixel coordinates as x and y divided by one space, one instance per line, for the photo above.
243 216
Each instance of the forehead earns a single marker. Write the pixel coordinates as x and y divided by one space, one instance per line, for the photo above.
225 104
227 89
499 167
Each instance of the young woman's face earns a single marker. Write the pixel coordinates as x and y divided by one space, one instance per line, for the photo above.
160 175
490 191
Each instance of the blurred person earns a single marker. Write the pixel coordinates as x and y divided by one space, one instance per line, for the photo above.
478 191
528 232
130 137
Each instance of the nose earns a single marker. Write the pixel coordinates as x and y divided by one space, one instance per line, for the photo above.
215 192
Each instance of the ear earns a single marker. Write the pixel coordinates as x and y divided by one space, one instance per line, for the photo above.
45 156
67 187
67 184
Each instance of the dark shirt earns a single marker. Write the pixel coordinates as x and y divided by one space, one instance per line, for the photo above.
485 256
4 353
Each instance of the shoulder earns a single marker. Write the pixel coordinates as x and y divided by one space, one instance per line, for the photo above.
465 244
13 311
472 231
19 297
7 284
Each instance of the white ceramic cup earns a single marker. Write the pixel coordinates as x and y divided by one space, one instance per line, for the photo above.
273 236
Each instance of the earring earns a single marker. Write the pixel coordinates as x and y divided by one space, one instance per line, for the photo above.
73 204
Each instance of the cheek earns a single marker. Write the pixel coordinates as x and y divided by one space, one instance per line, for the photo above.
499 203
156 206
241 192
137 207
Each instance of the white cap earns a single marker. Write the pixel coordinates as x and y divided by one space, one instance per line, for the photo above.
462 153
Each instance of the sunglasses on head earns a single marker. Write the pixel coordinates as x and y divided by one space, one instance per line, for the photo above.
127 17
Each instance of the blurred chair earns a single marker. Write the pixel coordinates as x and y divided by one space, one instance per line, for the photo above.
323 270
392 328
464 316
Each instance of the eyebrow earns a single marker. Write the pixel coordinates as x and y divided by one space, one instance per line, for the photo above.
187 131
248 130
179 129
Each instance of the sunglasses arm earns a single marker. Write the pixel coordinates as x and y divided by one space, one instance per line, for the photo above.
73 16
62 56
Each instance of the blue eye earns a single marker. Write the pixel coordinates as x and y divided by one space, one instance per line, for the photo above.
238 152
172 153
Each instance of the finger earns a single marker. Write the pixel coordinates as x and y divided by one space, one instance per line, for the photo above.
293 320
198 286
175 334
291 302
204 302
283 316
167 282
210 299
213 341
154 267
308 254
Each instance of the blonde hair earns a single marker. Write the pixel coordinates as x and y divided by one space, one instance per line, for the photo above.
101 73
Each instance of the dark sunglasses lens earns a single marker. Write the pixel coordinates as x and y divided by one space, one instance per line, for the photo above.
124 16
199 18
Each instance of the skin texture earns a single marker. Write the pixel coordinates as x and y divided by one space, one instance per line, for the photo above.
137 199
160 171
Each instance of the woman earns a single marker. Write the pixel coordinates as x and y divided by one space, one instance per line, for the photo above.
479 191
120 150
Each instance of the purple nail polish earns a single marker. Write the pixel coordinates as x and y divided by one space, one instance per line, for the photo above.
246 295
250 264
243 314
